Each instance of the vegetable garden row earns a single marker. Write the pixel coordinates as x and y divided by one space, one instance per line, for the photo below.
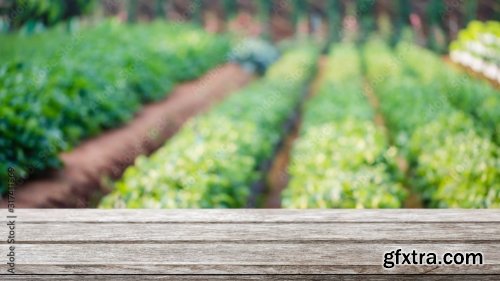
71 87
444 124
213 160
341 158
453 158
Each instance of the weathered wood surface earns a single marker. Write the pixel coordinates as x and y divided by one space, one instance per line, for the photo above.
257 277
255 215
248 242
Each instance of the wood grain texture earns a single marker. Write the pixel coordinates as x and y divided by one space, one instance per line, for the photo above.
247 242
255 215
212 232
256 277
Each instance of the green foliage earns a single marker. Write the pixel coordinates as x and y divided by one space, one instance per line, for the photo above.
477 98
48 12
343 164
341 159
478 47
214 159
456 167
452 164
76 86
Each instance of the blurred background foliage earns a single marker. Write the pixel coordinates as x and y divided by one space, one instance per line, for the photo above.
435 23
30 14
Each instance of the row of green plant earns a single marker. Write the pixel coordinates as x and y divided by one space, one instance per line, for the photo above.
478 47
57 88
341 159
215 158
475 97
451 164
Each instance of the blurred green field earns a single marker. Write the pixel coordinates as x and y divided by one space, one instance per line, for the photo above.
406 111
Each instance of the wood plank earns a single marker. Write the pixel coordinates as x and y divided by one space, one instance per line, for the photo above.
254 277
156 233
222 253
240 258
247 241
210 269
254 215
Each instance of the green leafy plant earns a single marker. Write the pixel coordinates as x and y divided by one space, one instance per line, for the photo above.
215 158
452 164
478 47
21 13
52 97
341 159
477 98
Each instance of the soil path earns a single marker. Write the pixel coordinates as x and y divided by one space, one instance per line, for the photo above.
87 167
277 177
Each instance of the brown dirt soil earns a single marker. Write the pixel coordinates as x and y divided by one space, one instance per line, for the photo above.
277 177
87 167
